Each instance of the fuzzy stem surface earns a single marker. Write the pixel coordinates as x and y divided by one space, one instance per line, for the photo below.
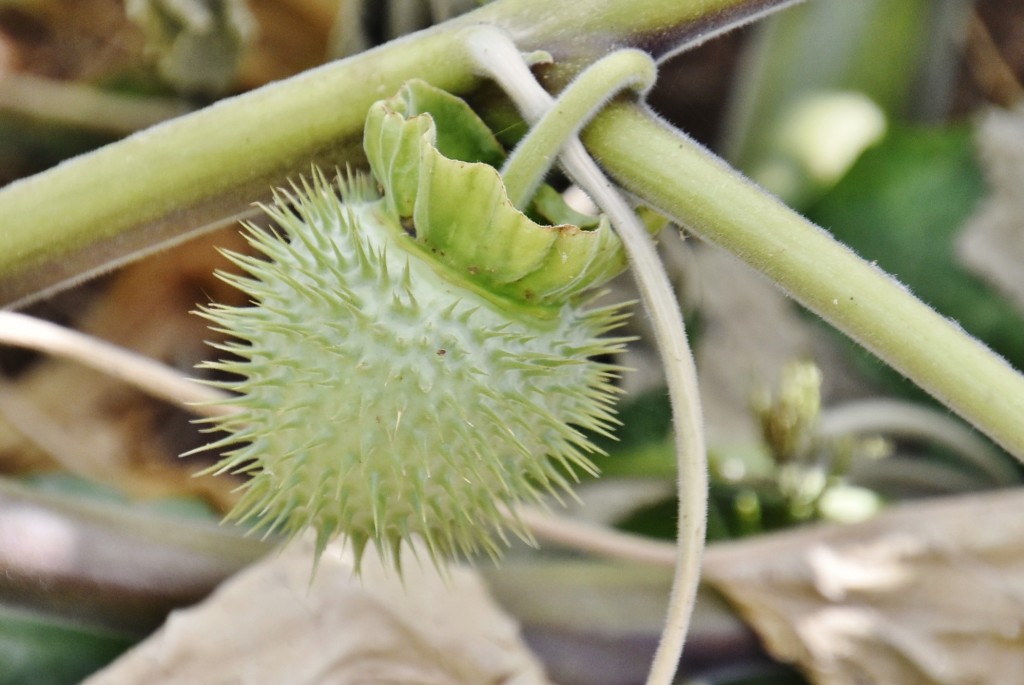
529 163
666 168
197 172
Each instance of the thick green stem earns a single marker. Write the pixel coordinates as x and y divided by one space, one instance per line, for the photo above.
95 211
204 170
702 193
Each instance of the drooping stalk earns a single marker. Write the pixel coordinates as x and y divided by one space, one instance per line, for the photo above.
526 166
898 418
498 57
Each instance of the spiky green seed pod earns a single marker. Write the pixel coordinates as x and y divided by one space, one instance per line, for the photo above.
398 378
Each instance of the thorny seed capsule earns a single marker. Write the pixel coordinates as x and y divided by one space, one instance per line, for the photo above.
418 360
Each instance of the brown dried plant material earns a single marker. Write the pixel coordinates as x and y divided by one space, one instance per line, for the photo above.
293 35
929 593
272 624
74 40
93 40
62 415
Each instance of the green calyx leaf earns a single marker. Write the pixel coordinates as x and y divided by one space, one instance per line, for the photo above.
198 45
436 162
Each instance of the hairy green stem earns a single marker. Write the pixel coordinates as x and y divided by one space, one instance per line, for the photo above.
529 163
672 172
204 170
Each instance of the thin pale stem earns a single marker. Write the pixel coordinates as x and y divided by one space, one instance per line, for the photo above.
498 57
82 106
529 163
908 420
598 540
681 376
138 370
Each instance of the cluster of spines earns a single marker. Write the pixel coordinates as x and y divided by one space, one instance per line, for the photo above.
307 376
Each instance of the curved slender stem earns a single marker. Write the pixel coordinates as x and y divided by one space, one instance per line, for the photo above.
498 57
670 171
906 419
681 376
525 168
145 373
599 540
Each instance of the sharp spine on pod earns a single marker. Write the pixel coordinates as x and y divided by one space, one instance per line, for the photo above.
362 290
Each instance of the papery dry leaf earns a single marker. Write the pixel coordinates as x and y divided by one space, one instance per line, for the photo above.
272 624
992 243
930 593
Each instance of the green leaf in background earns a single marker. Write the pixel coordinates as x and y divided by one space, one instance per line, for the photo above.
41 650
72 486
821 81
902 206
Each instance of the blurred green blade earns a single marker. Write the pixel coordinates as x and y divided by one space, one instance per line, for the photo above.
113 566
40 650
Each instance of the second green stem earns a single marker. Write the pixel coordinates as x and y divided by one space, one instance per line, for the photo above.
701 192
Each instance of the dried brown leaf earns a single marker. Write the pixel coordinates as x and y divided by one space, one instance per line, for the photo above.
931 593
293 36
75 40
272 624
